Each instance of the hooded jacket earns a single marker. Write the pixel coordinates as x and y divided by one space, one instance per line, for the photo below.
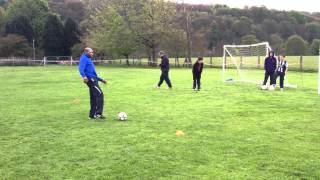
270 63
164 63
197 68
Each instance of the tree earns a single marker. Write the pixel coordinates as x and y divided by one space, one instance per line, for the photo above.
242 26
276 43
71 35
215 35
20 25
314 47
313 31
295 46
258 14
68 9
249 39
2 20
270 26
153 21
35 11
53 37
259 32
113 31
286 29
14 45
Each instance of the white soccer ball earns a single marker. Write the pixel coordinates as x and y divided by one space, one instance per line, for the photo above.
122 116
264 87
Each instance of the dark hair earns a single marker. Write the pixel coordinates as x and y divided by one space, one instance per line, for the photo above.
200 58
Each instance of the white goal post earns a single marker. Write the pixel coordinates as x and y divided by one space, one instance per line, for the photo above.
238 51
319 73
241 59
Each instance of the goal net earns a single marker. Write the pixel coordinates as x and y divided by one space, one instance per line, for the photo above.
242 62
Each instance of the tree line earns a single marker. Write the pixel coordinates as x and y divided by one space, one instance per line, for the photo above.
140 28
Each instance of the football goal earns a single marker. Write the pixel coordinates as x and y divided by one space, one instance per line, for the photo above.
244 63
240 62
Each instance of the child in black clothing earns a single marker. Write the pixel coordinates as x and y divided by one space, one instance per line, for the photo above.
196 71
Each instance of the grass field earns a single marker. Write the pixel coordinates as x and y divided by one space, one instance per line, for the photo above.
232 131
309 63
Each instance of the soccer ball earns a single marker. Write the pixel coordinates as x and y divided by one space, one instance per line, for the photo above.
122 116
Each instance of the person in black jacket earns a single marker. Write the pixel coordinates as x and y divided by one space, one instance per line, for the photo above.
164 70
196 71
270 65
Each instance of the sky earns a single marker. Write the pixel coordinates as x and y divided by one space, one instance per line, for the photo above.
298 5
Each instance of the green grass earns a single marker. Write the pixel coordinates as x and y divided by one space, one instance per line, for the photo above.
232 131
309 63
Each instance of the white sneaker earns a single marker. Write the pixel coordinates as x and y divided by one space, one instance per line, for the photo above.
281 89
157 87
271 88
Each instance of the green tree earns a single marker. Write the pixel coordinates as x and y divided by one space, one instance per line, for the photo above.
276 43
313 31
68 9
286 29
35 11
20 25
14 45
53 37
242 26
71 35
2 20
215 35
113 33
153 22
249 39
314 47
270 26
296 46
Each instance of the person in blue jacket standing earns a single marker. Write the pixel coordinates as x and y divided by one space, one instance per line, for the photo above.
90 77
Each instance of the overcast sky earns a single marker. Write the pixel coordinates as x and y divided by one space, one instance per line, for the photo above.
299 5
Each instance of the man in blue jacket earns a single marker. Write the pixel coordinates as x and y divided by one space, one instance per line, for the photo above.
270 65
164 70
90 77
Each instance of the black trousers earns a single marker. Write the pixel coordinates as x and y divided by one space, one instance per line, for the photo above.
96 98
165 77
266 77
196 81
276 75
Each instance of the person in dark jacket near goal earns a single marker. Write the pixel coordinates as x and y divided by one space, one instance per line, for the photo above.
164 70
196 72
270 65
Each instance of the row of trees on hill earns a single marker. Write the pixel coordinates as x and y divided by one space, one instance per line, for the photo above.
140 28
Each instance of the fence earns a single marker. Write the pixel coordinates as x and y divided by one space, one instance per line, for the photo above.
296 63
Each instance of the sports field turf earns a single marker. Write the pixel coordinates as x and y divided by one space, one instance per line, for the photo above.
232 130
